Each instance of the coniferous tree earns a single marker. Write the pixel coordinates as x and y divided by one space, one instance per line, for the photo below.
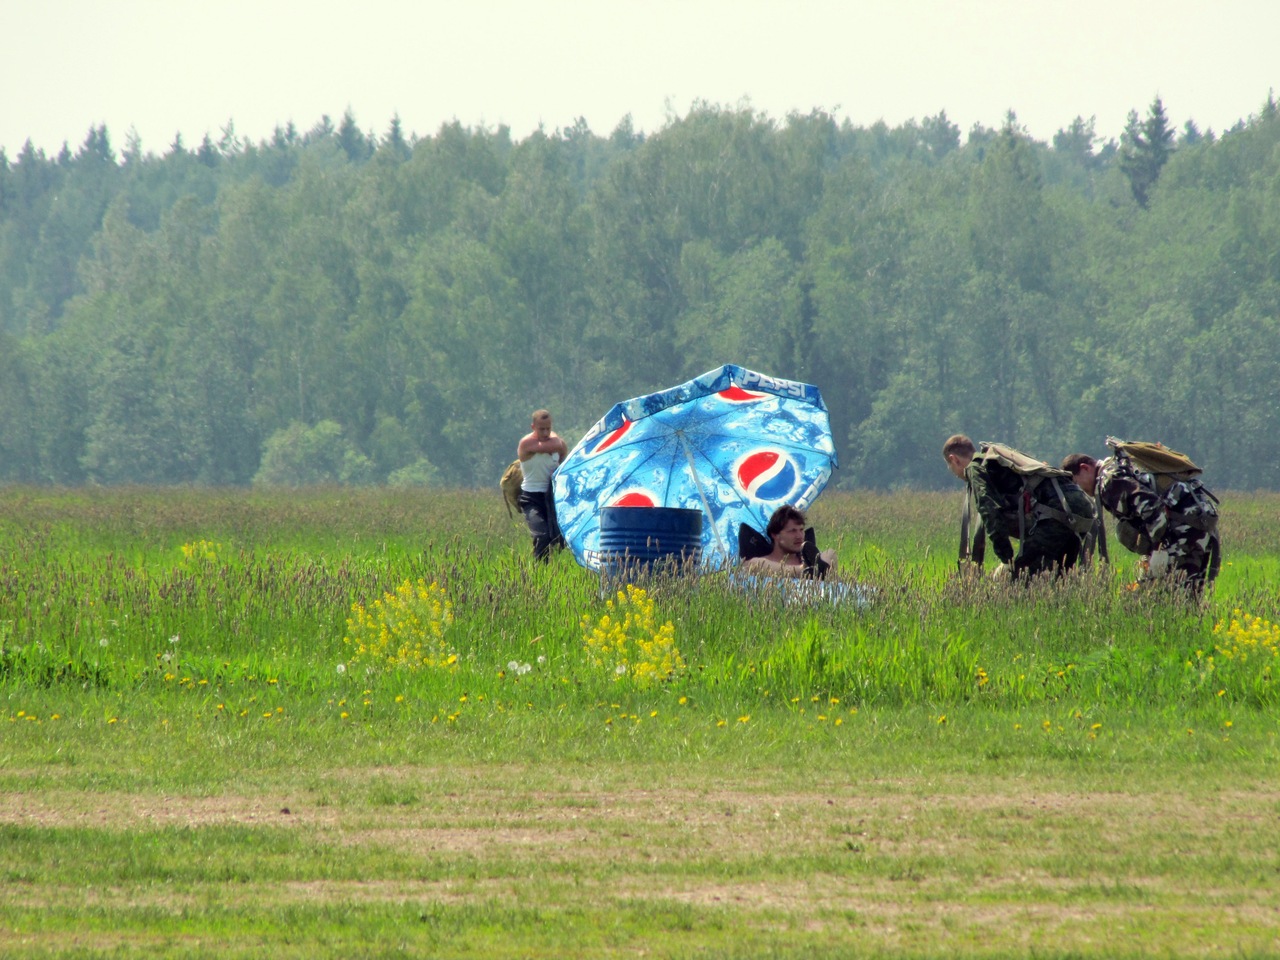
207 153
1076 142
939 135
354 144
393 142
1145 148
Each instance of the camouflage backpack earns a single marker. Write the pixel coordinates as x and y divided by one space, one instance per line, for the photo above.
512 477
1175 478
1077 513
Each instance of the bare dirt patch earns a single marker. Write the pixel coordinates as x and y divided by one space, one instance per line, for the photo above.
127 811
991 861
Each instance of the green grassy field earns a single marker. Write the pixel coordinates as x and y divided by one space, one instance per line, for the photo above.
337 723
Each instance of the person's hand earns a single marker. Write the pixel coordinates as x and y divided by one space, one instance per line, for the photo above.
1003 573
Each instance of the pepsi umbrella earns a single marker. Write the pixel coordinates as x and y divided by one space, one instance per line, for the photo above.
732 443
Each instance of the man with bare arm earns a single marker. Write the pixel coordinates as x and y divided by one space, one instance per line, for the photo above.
793 553
540 452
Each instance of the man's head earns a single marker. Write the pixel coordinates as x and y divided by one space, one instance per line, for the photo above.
786 529
1084 471
958 451
541 424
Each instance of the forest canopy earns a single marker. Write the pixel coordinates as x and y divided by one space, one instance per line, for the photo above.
339 306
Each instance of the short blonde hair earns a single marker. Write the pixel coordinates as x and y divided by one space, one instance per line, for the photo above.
958 444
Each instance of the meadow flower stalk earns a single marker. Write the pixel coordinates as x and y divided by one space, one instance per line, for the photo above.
404 629
1247 660
629 640
201 551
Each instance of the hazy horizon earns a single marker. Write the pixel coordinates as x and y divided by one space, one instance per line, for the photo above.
160 69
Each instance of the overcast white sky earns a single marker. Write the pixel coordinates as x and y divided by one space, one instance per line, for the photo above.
167 66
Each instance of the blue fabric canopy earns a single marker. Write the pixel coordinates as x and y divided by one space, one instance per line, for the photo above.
732 443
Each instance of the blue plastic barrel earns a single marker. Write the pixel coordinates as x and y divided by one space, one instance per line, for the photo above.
635 539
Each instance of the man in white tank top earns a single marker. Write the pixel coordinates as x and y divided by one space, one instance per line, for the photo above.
540 452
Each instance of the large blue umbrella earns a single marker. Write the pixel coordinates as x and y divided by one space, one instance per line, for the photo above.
732 443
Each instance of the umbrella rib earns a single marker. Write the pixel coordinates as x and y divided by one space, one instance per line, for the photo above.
702 495
620 483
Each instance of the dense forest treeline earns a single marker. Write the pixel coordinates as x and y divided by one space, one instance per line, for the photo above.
341 306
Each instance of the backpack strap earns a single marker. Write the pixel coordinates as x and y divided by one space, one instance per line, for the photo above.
1078 522
979 546
977 553
1097 536
1024 507
1215 558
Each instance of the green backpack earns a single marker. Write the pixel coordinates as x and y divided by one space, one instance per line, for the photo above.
1079 514
512 477
1165 466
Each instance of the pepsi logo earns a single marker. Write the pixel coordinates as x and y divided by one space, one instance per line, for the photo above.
766 474
782 387
736 394
612 438
635 498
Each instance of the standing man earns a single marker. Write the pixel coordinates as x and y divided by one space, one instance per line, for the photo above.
1019 497
540 452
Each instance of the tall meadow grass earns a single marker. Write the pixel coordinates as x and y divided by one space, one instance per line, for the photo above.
252 605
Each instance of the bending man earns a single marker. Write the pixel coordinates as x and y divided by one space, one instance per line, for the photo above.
1018 497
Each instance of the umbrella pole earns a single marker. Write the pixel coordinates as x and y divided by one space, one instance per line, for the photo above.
702 495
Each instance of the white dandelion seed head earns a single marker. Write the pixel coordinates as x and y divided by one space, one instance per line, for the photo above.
342 668
525 667
102 642
174 638
513 666
541 659
620 669
166 657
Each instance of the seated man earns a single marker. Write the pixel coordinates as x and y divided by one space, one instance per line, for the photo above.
790 549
